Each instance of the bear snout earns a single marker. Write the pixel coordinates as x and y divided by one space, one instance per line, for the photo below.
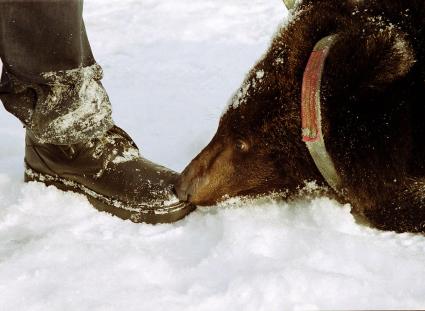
200 181
184 188
188 184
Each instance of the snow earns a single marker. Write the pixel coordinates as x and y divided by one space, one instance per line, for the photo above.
90 110
260 74
128 155
170 67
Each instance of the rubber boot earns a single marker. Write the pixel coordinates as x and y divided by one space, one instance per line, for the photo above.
110 172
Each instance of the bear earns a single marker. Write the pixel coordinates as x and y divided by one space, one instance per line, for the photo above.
361 62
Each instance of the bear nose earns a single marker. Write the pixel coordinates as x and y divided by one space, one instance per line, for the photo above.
181 191
188 182
184 188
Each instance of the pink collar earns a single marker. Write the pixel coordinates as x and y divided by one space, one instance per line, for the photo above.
311 117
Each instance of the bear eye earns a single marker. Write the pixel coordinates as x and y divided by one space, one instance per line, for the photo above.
242 145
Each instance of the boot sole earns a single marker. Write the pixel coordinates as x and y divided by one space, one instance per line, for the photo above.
115 207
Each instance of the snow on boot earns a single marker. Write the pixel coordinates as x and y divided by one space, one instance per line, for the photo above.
110 172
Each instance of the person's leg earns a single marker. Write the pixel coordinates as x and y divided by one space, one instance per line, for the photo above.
50 79
51 82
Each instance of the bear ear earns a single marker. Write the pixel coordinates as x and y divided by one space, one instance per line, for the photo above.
399 59
370 58
289 4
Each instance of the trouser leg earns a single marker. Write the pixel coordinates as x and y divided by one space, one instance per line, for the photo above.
50 79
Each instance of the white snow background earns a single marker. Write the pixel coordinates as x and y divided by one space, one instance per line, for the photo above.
170 67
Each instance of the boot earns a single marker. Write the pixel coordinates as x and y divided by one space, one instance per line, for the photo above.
110 172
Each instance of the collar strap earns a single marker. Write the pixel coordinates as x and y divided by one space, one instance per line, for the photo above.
312 133
289 4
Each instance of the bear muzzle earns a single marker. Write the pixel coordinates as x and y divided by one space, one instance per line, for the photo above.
192 186
204 180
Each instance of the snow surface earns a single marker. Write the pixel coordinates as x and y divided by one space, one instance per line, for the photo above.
170 67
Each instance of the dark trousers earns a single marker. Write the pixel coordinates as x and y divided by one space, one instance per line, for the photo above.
50 79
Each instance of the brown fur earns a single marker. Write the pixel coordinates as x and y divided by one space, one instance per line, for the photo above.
372 106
